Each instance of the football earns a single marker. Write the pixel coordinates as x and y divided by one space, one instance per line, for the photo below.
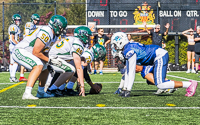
93 91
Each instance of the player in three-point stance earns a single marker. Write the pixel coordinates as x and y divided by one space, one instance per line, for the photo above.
134 52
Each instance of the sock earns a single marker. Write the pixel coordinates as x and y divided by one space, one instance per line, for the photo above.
28 89
41 89
53 87
10 69
166 85
186 84
62 87
14 69
100 71
70 85
21 75
121 84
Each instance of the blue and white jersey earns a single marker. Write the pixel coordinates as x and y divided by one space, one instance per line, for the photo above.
146 54
146 70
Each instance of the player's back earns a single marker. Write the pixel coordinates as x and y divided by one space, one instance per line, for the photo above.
146 54
44 33
29 28
88 55
66 47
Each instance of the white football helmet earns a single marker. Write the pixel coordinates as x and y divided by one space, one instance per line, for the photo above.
119 39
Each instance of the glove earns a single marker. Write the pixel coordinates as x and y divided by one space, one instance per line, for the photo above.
54 61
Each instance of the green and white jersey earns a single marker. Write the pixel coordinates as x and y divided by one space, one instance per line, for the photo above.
44 33
14 30
88 55
29 28
66 47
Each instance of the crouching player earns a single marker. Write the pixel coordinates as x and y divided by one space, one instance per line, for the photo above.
30 53
147 55
69 52
96 52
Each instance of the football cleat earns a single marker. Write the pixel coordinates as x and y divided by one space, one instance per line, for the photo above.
42 94
13 79
122 93
70 92
55 92
170 90
118 91
23 79
191 89
159 91
101 73
29 96
127 93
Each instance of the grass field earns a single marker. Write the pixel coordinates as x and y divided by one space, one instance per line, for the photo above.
141 108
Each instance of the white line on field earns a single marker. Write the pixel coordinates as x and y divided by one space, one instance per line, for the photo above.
46 107
180 77
119 81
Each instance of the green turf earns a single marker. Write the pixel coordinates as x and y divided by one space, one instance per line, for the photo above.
141 96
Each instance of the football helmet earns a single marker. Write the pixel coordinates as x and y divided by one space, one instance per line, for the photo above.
35 17
16 19
118 40
99 51
83 33
58 23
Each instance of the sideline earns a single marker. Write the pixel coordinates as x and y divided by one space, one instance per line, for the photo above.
46 107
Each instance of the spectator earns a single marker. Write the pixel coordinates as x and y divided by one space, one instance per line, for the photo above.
190 50
130 38
197 48
157 35
101 39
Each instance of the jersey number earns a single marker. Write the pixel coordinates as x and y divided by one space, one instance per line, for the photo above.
79 51
60 44
44 37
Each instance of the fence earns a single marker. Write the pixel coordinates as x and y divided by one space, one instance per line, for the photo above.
181 14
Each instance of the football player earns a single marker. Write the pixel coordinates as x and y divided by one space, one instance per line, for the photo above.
146 73
154 55
29 28
97 51
14 33
69 52
32 51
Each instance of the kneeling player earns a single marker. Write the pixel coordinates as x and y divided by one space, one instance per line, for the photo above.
97 51
70 50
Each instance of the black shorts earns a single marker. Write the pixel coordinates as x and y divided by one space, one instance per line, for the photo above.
197 55
102 59
190 48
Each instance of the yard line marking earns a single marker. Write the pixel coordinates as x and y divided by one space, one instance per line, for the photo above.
180 77
3 90
46 107
85 82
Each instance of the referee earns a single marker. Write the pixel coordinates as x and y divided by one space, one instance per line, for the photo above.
157 35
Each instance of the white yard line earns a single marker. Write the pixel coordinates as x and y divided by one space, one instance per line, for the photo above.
180 77
46 107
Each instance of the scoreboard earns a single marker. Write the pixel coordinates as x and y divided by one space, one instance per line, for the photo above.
181 14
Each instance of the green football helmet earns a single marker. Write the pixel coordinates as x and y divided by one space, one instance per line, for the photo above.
99 51
58 23
35 17
16 17
83 33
